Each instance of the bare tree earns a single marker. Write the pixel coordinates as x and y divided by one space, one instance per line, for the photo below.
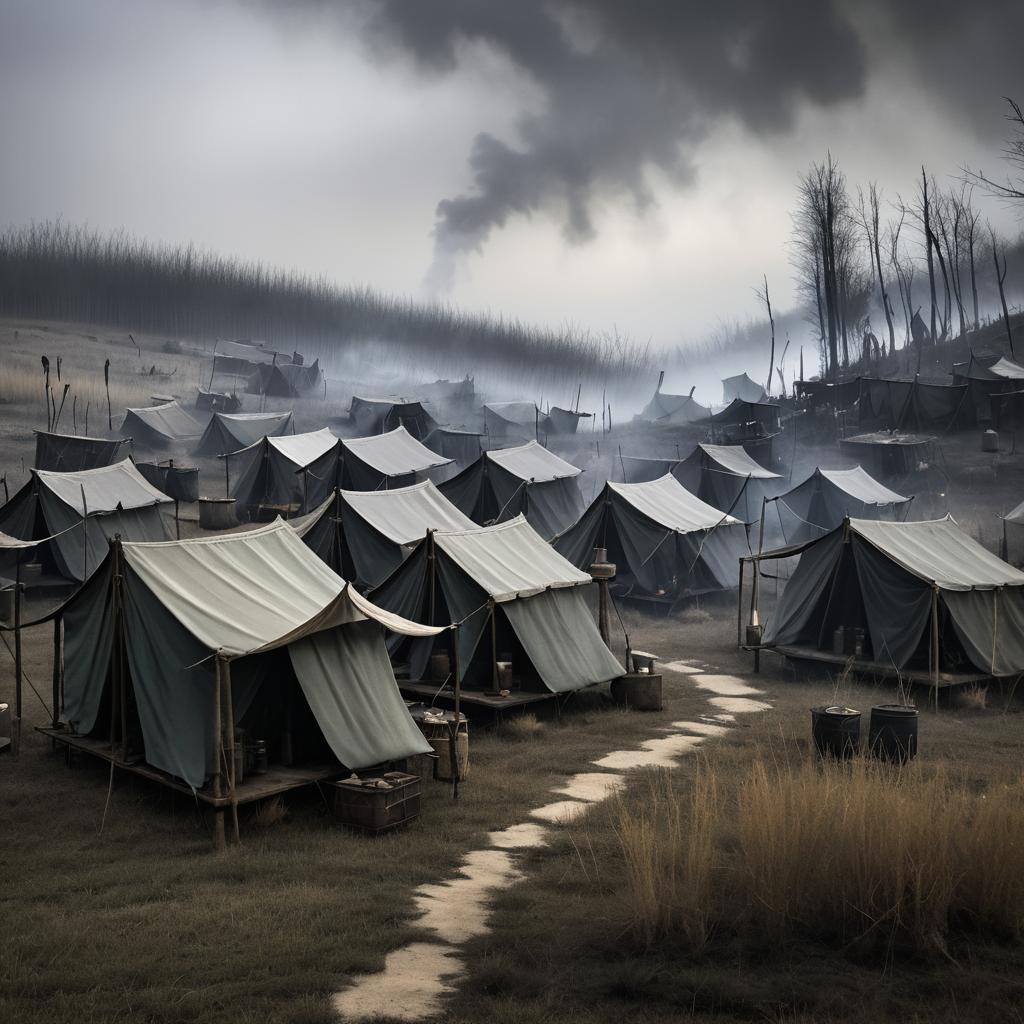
1013 151
869 219
766 299
1000 278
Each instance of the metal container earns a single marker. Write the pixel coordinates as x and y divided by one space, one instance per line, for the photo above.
440 667
836 731
602 569
755 635
892 733
260 763
217 513
365 807
639 691
990 441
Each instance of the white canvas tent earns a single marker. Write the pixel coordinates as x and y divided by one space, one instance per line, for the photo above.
366 535
666 543
526 480
159 426
726 477
508 590
298 652
76 514
228 433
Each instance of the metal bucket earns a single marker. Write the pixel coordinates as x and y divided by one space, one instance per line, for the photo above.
836 731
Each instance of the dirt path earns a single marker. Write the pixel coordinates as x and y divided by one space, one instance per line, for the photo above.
417 977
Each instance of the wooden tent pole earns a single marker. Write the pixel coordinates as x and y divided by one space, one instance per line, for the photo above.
218 757
229 725
494 647
458 719
935 642
739 607
58 670
16 724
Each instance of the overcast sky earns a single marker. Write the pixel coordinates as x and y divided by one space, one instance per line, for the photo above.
604 163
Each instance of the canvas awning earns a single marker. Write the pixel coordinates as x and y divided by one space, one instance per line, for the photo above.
404 514
106 489
394 454
666 502
523 413
735 460
509 560
533 462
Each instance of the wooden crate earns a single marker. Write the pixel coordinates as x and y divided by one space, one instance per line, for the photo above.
371 810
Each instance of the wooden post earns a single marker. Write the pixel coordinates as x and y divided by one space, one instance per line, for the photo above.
935 642
739 607
218 757
58 671
229 726
458 693
227 476
16 724
494 648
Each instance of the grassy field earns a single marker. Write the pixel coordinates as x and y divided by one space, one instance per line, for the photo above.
119 912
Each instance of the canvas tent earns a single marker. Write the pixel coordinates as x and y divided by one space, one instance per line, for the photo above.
727 478
665 541
985 380
673 410
828 496
743 388
227 433
929 597
380 462
511 419
461 446
888 455
510 592
527 480
253 625
564 421
70 453
741 420
287 380
832 395
913 405
366 535
157 426
76 514
270 472
380 415
241 358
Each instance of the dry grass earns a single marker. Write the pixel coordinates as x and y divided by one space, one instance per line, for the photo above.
522 727
972 698
864 853
667 839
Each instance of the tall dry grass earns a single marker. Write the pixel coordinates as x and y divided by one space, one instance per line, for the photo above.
865 853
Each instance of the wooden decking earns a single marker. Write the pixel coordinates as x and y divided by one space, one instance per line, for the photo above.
477 698
876 669
279 779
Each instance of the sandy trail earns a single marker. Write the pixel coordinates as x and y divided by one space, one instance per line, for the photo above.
417 978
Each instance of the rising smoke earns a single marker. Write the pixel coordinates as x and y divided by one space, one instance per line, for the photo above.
631 87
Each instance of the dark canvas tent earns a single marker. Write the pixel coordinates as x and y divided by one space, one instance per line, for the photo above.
929 597
510 592
743 388
366 535
828 496
380 462
832 395
564 421
241 358
158 426
379 415
227 433
527 480
81 512
298 653
742 419
511 419
69 453
673 409
888 455
665 541
727 478
913 405
270 472
284 380
461 446
986 379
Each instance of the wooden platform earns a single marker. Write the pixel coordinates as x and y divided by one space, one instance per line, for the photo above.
474 698
279 779
876 669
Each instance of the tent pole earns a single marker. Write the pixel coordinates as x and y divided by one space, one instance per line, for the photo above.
739 607
58 670
229 725
458 718
1004 553
218 757
935 642
227 477
494 649
16 724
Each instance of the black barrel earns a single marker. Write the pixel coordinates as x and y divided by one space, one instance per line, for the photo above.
836 731
892 733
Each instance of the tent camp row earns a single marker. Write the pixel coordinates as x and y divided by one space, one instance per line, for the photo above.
300 471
